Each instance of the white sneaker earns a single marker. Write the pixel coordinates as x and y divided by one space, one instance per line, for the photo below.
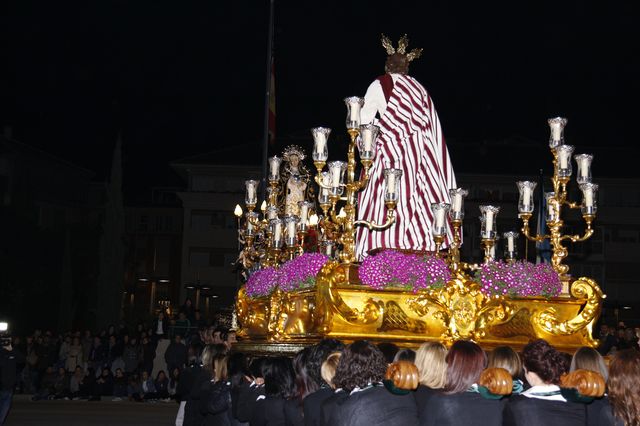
116 399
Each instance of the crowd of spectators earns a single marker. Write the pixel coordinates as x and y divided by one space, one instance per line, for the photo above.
326 384
115 363
339 385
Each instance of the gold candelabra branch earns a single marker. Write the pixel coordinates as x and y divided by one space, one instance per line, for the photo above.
556 200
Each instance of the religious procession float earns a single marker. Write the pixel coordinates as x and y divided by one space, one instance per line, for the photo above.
305 280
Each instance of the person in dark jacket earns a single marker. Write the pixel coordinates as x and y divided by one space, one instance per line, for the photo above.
542 403
312 404
8 360
360 372
201 375
215 399
244 398
432 370
459 403
621 408
162 385
176 354
239 379
279 405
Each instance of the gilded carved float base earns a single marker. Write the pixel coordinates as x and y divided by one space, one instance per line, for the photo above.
340 308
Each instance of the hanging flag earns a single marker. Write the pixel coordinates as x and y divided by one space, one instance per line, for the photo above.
543 249
272 106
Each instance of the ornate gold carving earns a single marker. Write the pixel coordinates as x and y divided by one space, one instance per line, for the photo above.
462 308
518 325
582 288
394 318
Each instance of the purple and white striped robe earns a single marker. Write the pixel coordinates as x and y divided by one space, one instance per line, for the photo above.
411 140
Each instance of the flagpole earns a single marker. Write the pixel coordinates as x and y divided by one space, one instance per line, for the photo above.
267 95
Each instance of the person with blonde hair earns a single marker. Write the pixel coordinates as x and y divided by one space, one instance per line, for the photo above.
505 357
587 358
430 360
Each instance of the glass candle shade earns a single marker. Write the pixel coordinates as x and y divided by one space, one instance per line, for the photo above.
328 247
336 172
488 222
510 244
323 193
251 218
525 201
354 105
367 141
251 194
304 207
392 184
274 168
276 231
290 229
552 207
584 167
457 203
563 160
439 226
556 125
589 201
320 139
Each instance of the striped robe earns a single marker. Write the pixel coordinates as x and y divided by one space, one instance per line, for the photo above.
411 140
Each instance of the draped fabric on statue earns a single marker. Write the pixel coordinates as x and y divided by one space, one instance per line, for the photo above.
411 140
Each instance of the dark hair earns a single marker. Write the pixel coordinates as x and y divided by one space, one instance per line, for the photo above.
256 368
361 363
237 369
465 362
304 383
279 378
389 350
318 355
543 359
624 373
405 355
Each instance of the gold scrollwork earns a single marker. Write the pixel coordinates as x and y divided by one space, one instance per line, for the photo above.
331 301
395 318
462 308
582 288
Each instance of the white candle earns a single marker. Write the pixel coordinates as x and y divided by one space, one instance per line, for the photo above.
457 202
564 159
354 112
588 197
304 211
556 131
489 222
510 243
291 228
440 218
321 142
251 192
335 177
391 182
367 140
584 167
526 197
277 232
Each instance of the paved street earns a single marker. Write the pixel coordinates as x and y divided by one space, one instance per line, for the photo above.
77 413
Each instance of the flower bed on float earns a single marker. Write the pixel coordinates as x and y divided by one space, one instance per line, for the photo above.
295 274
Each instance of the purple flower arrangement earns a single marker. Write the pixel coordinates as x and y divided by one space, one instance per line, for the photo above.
518 279
292 275
402 270
301 271
262 282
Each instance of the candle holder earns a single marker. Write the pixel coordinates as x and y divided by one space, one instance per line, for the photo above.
488 222
488 246
557 200
510 246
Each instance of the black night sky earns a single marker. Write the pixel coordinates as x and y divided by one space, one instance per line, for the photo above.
182 78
